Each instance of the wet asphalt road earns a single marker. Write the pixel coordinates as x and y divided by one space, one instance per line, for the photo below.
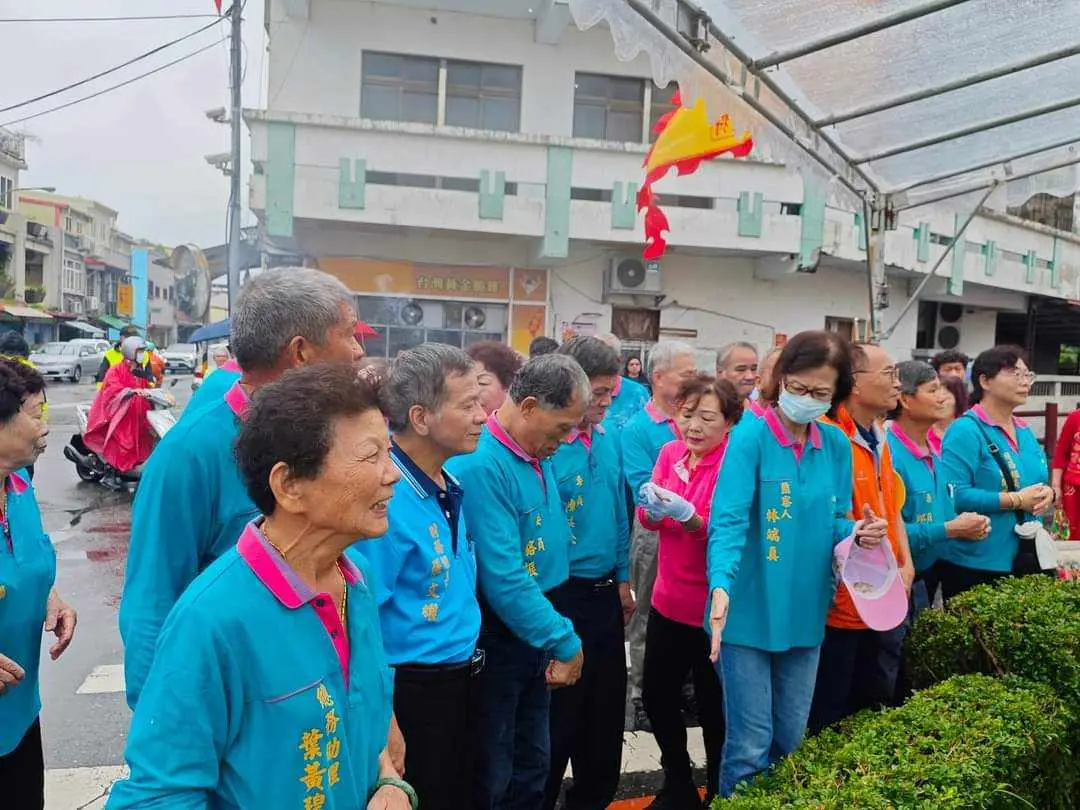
89 527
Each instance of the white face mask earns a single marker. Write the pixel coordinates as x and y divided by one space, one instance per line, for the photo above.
802 410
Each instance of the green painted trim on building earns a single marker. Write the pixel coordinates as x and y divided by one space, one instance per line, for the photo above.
1055 272
280 177
623 206
959 255
1029 262
860 231
990 253
922 237
352 184
560 164
492 198
751 217
813 224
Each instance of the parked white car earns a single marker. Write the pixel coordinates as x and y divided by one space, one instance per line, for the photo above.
181 357
70 361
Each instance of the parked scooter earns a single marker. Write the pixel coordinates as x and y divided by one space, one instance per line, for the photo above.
92 467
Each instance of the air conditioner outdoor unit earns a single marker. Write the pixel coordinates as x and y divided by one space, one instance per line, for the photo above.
947 333
632 276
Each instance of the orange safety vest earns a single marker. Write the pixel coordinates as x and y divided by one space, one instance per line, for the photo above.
880 487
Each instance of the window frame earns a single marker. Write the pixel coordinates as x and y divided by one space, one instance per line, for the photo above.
442 87
649 111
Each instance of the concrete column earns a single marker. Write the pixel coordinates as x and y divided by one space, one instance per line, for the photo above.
18 260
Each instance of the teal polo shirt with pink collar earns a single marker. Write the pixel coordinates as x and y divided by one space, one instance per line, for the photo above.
27 573
514 516
257 696
642 438
927 505
190 507
976 483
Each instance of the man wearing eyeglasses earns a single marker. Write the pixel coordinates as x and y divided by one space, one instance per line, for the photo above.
859 666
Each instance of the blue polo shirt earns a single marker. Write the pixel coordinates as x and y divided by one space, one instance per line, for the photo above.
977 484
27 573
627 401
425 572
257 696
592 489
642 437
514 514
190 507
213 388
778 511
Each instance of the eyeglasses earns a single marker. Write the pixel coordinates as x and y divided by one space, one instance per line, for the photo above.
889 372
1021 376
800 390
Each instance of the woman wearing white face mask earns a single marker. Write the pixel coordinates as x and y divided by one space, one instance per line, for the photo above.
782 503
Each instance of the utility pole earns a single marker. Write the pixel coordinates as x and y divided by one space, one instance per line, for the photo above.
234 162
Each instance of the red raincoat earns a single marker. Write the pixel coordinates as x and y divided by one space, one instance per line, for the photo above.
117 428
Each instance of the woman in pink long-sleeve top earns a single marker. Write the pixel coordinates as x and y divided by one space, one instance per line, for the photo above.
676 502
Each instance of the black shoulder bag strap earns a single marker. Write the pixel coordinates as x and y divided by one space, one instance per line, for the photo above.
995 453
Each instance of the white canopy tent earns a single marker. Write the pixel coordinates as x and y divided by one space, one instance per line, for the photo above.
888 104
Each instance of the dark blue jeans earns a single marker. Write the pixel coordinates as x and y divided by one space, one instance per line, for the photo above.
513 749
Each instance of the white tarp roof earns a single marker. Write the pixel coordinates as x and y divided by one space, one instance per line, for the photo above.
988 89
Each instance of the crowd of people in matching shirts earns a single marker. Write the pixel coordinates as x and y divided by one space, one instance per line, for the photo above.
353 584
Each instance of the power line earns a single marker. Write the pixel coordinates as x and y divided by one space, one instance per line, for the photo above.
115 86
143 18
89 79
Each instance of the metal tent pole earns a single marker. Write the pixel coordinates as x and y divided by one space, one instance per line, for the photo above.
972 189
941 260
949 87
859 31
995 123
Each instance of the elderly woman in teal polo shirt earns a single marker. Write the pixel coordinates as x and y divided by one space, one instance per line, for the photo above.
28 600
269 686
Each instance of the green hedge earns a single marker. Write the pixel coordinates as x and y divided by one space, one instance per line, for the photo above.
970 742
1028 627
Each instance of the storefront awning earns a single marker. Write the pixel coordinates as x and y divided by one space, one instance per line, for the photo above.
25 313
85 328
113 322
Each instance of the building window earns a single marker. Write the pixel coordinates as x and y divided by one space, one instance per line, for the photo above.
483 96
618 108
399 88
842 326
7 189
425 90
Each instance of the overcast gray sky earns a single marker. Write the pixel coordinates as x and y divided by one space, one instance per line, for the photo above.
139 149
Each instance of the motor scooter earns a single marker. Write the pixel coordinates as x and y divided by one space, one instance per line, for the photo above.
92 467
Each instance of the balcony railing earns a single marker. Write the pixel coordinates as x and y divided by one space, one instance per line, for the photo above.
13 144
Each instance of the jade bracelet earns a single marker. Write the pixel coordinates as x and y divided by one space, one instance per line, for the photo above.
401 785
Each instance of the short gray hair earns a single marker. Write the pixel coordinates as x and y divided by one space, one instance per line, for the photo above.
281 304
553 380
418 377
912 374
724 354
663 354
611 340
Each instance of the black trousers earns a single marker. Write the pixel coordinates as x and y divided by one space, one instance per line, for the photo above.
956 579
433 709
857 670
587 719
672 650
22 773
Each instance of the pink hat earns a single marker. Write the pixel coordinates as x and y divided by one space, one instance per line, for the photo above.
873 581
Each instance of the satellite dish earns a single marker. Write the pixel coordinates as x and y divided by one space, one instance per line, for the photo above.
412 314
475 317
192 281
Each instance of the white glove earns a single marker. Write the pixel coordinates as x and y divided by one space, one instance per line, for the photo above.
660 503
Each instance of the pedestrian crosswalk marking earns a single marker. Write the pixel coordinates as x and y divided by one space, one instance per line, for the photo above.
102 680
